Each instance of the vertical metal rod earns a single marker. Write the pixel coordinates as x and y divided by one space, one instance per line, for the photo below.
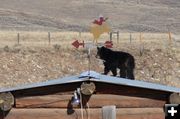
89 61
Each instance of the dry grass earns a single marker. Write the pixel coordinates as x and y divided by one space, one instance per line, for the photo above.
34 60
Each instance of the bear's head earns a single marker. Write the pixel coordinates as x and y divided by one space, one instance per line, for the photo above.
102 53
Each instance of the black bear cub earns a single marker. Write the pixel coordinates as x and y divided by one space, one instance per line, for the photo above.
117 59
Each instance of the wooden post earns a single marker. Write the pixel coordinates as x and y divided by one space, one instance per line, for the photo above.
18 38
49 37
109 112
170 38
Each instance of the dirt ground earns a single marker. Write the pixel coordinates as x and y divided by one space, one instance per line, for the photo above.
24 65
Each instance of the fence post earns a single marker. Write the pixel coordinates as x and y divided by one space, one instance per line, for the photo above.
18 38
110 36
130 37
141 44
117 36
170 38
49 37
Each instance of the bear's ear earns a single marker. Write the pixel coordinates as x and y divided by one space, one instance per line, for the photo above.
98 48
103 47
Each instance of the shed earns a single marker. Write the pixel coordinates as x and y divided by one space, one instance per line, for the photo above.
89 95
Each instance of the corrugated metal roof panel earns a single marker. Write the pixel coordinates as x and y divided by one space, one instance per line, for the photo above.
94 76
136 83
64 80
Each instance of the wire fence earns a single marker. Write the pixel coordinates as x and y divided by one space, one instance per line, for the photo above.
66 38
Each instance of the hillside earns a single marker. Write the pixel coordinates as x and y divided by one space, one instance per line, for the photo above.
34 60
76 15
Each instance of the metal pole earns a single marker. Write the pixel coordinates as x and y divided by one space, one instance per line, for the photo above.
89 61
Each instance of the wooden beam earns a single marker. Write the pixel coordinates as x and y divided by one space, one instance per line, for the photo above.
123 113
98 101
52 89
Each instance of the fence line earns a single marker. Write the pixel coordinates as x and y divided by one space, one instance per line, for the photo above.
69 36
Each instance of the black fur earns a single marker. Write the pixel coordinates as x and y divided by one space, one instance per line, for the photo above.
117 59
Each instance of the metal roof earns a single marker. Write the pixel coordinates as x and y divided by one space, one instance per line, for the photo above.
96 77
